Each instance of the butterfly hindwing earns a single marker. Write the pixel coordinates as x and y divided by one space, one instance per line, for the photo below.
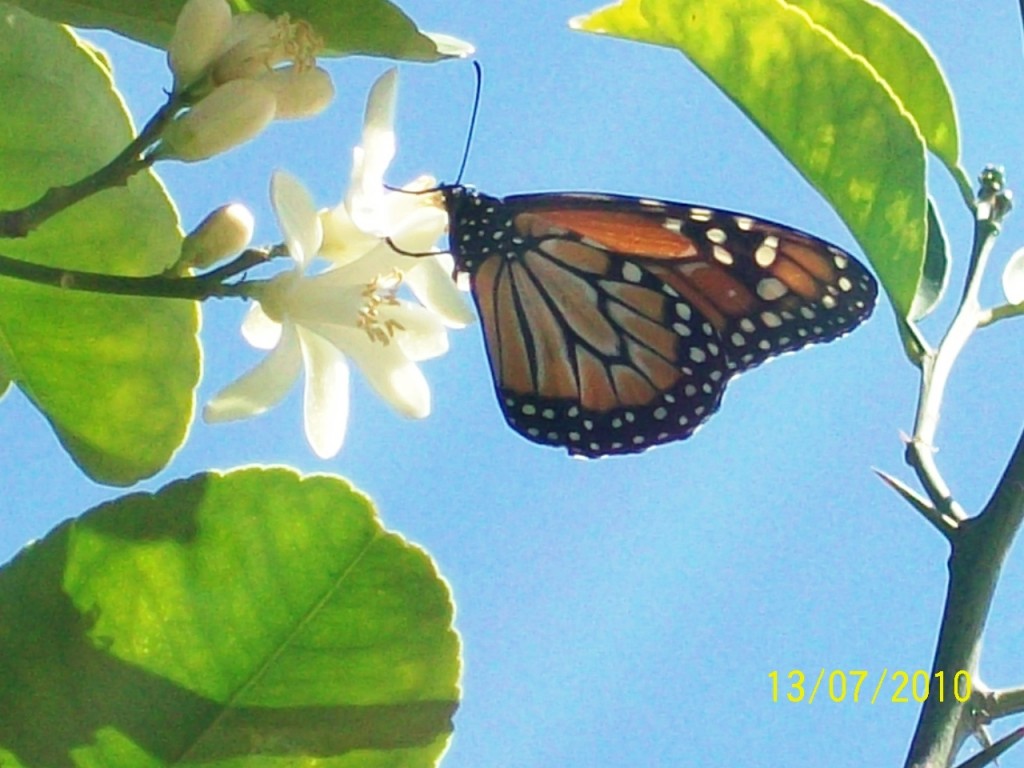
599 366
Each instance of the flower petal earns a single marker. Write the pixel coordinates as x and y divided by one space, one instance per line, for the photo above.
326 401
421 192
371 159
391 374
296 216
416 235
343 240
327 298
421 335
299 92
433 286
259 329
230 115
199 32
411 391
260 388
415 228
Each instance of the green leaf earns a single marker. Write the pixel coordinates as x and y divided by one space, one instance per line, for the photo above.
935 276
254 618
372 27
824 108
903 60
115 376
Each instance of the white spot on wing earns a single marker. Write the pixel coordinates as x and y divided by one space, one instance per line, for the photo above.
765 255
632 273
771 288
722 255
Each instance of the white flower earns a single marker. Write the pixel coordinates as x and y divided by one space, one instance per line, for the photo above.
209 41
351 310
226 70
356 231
317 322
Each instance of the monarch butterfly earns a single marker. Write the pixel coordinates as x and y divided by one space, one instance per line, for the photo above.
613 324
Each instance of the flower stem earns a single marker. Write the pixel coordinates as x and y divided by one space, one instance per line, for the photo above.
992 205
979 545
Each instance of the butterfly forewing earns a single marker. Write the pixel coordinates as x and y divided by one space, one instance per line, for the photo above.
614 323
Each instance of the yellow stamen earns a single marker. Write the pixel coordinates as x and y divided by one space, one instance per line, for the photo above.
381 291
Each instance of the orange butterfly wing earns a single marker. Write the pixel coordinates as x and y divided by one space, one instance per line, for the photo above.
614 323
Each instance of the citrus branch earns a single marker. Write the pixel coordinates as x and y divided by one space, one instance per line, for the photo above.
131 160
208 285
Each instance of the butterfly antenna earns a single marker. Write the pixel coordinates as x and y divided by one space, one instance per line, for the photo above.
472 120
469 136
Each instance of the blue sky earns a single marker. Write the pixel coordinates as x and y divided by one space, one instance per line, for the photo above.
628 611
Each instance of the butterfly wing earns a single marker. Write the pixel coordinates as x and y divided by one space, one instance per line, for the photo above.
614 323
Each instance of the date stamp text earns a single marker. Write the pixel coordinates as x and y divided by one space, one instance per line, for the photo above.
859 685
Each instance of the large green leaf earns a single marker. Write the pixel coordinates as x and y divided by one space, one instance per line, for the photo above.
115 376
255 618
373 27
903 60
825 109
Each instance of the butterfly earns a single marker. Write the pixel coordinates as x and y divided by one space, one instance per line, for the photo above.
613 324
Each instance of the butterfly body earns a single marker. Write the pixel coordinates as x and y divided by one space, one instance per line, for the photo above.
613 324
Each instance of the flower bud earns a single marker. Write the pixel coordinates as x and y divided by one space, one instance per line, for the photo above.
1013 278
299 92
199 35
231 115
224 232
